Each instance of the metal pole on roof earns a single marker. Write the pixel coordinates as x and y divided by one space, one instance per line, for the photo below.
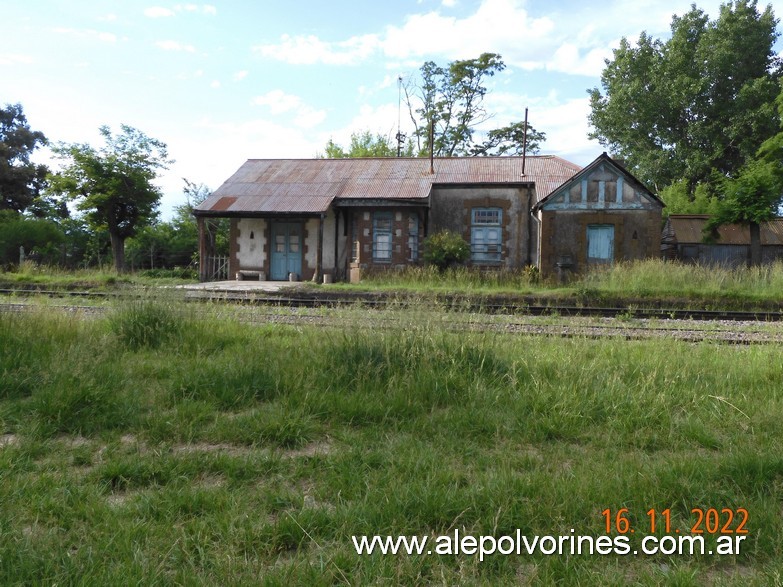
400 135
524 145
432 146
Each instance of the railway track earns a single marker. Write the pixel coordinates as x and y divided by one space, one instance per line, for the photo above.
446 302
723 331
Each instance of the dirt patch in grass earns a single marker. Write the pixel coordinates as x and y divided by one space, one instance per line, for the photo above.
8 440
224 447
320 448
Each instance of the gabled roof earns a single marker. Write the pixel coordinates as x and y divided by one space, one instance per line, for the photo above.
586 171
309 186
689 229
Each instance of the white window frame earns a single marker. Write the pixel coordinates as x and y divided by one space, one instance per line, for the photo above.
382 237
486 235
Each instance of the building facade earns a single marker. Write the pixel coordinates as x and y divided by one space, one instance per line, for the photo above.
335 219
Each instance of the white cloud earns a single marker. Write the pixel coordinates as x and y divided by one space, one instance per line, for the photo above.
175 46
108 18
569 59
234 142
497 25
529 36
307 50
378 120
215 84
158 12
15 58
566 127
87 34
240 75
193 75
204 9
278 102
502 25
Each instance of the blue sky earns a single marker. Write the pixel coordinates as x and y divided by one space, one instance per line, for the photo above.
221 82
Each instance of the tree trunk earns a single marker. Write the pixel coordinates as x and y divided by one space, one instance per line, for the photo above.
755 244
118 251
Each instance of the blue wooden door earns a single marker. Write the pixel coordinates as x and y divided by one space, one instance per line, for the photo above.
286 250
485 243
600 243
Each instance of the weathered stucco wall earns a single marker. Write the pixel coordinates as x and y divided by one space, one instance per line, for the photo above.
252 250
451 210
564 236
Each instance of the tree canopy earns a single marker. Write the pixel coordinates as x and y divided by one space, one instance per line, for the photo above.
697 106
366 144
114 185
20 179
450 100
755 193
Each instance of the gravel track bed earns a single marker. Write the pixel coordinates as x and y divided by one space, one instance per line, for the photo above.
719 331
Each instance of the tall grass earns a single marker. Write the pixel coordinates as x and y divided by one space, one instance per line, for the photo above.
146 323
237 454
429 277
651 278
658 277
104 276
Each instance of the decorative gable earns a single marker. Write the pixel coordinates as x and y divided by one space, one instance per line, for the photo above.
602 185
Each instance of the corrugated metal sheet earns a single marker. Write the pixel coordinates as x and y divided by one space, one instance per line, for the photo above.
688 229
310 185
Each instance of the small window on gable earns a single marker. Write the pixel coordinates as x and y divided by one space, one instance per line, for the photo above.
610 191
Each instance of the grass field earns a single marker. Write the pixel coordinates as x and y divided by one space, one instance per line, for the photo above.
153 447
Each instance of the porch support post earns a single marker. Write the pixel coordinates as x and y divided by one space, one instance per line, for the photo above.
336 241
203 249
319 264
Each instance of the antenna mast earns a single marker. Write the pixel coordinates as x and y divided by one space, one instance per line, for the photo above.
400 135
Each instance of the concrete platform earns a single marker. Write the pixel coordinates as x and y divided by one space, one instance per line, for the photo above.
241 286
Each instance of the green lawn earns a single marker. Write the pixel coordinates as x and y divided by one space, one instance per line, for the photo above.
151 446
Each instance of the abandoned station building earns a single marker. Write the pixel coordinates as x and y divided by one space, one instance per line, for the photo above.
335 218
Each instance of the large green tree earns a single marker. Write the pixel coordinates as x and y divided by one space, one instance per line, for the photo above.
450 101
755 194
696 106
20 179
114 185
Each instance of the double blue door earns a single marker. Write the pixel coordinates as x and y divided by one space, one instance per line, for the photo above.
286 250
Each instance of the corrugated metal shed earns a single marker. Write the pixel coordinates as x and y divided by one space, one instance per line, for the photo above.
308 186
688 229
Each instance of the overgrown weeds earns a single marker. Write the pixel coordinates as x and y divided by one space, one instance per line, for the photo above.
147 323
221 452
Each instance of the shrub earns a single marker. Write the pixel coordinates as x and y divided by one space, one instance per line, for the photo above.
446 249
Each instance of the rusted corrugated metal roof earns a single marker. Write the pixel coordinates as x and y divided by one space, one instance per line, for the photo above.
310 185
688 229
